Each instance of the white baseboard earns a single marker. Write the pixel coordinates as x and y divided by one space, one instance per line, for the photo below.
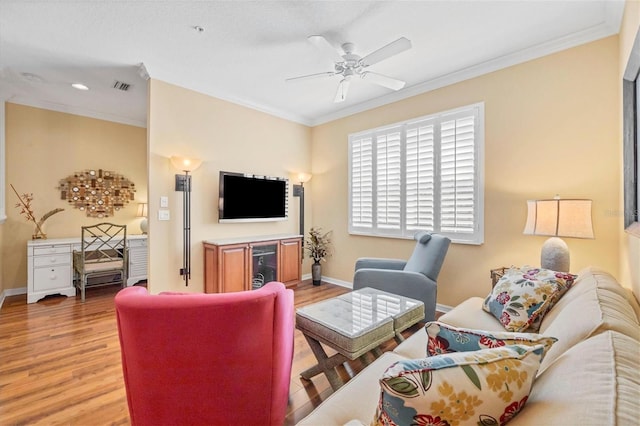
443 308
12 292
439 307
331 281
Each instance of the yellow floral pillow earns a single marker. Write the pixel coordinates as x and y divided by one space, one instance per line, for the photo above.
485 387
522 297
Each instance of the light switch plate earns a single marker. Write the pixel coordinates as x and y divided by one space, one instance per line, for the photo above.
164 201
163 215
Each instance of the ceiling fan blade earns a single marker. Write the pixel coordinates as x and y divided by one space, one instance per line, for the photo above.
327 48
311 76
383 80
343 88
393 48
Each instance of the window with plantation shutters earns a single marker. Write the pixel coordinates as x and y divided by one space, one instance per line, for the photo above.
422 174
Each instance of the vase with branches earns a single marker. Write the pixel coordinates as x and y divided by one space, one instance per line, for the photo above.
25 209
319 247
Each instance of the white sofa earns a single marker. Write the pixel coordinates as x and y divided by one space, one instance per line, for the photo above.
590 376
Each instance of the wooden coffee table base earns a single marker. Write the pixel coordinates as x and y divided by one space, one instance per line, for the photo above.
354 324
327 364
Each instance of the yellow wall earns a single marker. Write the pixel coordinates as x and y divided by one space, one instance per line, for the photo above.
551 127
43 147
227 137
629 245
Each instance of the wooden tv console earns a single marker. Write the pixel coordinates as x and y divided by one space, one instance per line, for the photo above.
239 264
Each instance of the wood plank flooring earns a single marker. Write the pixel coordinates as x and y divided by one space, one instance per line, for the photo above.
60 361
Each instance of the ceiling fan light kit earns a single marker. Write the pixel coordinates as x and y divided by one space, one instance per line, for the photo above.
350 64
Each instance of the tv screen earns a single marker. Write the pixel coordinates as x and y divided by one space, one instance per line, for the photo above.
252 198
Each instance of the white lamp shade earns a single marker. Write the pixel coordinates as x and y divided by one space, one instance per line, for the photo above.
303 177
185 164
560 218
142 210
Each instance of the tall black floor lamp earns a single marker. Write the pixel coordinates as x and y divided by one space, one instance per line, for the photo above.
183 184
298 191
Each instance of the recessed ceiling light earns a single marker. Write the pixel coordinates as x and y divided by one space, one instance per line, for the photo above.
79 86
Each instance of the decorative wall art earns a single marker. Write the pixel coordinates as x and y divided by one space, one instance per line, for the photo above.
98 192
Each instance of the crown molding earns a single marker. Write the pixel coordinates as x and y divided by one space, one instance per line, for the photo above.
54 106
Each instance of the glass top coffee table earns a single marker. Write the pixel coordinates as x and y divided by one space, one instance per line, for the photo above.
354 324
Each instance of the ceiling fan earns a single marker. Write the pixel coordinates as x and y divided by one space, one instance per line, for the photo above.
350 65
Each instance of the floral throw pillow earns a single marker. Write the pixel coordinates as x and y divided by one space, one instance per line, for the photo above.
485 387
445 339
522 297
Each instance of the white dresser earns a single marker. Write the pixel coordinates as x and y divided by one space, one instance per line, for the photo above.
50 265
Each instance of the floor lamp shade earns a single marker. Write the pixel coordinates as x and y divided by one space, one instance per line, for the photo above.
558 218
185 164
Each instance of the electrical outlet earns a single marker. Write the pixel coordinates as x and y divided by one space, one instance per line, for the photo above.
164 201
164 215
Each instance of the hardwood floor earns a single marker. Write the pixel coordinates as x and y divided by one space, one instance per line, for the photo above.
60 361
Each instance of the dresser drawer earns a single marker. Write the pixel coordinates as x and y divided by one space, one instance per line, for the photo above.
137 243
42 250
52 277
52 260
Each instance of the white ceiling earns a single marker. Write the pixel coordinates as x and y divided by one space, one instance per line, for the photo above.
249 48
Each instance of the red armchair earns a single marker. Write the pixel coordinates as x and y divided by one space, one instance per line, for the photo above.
206 359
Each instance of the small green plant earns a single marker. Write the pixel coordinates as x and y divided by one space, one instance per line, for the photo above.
318 245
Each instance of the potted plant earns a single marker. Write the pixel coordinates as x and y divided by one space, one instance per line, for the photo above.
318 245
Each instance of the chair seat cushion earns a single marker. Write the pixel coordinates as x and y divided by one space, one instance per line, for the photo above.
111 265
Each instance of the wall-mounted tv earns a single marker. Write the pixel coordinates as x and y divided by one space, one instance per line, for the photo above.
250 198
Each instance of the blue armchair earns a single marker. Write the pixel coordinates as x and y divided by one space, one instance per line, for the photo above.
415 278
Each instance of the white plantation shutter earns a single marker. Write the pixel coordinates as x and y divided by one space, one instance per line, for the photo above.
361 163
420 176
457 174
388 179
423 174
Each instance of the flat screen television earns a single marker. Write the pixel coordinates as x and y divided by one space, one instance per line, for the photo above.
250 198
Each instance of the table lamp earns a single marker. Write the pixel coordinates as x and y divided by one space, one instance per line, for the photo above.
142 212
558 218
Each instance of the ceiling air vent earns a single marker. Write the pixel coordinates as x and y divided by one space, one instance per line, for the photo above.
120 85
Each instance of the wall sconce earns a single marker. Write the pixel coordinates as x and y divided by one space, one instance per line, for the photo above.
298 191
183 184
558 218
143 213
